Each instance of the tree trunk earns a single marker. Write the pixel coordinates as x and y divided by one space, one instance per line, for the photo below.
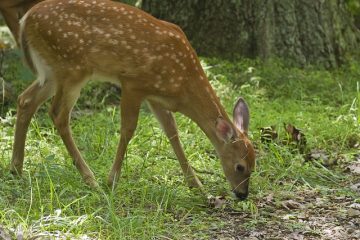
300 31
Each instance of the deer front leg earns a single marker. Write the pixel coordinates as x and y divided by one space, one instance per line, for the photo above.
130 106
168 123
63 102
28 103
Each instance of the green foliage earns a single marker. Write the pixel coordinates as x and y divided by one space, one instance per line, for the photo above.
354 6
275 80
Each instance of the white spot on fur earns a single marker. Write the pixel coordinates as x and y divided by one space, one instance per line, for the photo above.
113 41
98 30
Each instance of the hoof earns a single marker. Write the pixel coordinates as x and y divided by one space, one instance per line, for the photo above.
91 182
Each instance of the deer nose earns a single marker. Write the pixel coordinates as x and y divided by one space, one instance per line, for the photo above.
241 196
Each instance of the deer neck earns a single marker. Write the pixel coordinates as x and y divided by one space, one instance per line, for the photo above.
204 109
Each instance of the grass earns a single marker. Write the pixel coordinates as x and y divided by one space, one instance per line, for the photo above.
152 201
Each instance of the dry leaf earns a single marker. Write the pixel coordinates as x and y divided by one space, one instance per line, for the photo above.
356 187
295 136
321 156
217 202
317 154
355 167
355 206
296 236
268 134
353 213
291 204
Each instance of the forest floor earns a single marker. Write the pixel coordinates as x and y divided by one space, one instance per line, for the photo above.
298 190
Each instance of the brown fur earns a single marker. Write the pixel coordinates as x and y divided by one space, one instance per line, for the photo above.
150 59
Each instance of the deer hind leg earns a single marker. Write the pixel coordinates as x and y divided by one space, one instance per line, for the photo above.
168 124
130 107
67 93
28 103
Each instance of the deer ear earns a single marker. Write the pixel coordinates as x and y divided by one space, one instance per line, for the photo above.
224 130
241 115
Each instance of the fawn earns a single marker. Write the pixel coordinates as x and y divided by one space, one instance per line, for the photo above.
67 42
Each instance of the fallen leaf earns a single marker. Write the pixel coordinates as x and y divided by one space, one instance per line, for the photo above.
217 202
321 156
317 154
257 234
296 236
295 136
353 212
291 204
355 167
337 232
355 206
268 134
356 187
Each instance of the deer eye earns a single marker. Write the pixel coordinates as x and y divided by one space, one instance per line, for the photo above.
240 168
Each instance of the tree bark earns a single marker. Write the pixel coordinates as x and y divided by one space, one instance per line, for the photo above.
300 31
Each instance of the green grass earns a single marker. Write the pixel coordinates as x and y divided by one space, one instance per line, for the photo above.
152 201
